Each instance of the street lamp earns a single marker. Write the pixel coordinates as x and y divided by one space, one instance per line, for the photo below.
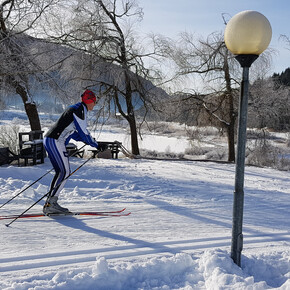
247 35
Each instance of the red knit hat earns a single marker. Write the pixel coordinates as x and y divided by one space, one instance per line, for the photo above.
88 97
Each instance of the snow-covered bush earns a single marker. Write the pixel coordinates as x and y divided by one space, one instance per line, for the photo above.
9 137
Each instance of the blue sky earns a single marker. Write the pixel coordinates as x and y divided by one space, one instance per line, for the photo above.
202 17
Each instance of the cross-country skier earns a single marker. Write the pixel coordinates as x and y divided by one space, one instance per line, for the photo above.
72 124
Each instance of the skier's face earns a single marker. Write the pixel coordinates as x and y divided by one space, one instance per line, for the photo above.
90 106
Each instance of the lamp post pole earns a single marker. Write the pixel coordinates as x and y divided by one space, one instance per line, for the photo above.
238 205
247 35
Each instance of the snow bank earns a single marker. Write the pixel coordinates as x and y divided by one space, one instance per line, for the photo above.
214 269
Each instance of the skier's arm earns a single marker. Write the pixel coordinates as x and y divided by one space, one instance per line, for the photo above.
82 132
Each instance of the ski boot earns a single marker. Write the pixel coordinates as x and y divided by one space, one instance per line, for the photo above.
52 207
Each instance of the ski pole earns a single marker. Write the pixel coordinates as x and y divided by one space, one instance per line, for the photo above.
36 180
25 188
7 225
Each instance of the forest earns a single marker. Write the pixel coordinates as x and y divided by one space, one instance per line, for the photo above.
51 50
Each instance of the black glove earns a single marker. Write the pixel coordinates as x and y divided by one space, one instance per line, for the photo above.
102 147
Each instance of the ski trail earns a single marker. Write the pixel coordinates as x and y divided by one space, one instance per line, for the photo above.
139 248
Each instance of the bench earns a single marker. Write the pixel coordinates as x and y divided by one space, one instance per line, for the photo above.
73 150
114 147
31 147
4 155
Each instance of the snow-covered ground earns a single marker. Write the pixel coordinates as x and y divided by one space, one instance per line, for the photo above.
178 235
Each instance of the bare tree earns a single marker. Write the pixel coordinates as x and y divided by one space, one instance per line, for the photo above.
211 60
103 31
219 74
16 65
268 105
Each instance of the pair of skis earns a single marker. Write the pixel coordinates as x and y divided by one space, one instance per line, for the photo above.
117 213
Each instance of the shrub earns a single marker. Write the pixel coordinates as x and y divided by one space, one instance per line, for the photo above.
9 137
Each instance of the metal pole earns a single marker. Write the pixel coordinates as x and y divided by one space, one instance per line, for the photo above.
238 205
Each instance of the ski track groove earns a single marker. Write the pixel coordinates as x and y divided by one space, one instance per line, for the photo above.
170 247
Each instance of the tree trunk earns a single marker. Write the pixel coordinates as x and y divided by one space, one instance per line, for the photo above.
134 136
132 123
231 128
231 141
231 112
130 117
30 107
33 116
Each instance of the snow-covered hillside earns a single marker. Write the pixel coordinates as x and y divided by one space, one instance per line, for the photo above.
178 235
